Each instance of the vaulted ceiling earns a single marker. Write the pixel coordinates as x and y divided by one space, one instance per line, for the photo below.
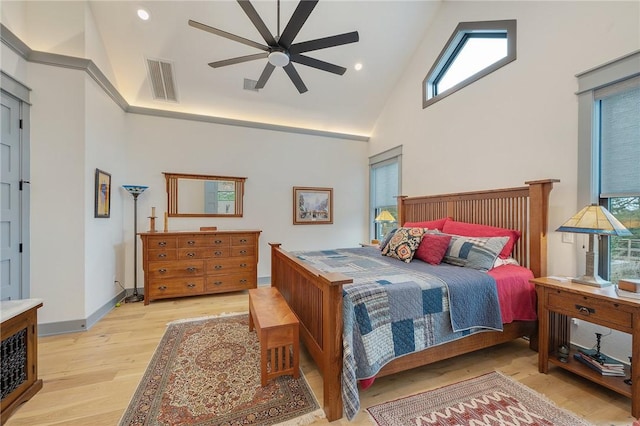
389 32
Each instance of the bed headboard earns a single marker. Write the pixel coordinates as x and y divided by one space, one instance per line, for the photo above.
523 208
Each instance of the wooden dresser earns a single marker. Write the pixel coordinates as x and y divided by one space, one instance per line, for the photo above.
189 263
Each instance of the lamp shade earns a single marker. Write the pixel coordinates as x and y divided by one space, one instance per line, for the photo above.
135 189
594 219
385 216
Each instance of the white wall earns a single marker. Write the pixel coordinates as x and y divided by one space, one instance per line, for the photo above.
273 163
518 123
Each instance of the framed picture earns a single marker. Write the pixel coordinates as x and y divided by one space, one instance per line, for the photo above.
103 194
312 206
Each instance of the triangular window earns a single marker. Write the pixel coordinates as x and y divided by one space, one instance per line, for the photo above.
474 50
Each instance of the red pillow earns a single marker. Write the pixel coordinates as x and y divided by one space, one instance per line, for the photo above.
429 224
474 230
432 248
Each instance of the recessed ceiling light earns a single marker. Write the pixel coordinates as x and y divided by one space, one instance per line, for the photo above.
143 14
358 66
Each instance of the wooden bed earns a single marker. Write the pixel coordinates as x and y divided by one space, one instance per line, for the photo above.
316 297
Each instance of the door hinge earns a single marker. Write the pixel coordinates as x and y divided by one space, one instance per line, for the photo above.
20 248
20 124
22 182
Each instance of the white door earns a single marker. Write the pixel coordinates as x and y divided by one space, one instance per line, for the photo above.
10 200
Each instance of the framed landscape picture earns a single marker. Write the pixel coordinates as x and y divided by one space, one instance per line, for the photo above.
103 194
312 206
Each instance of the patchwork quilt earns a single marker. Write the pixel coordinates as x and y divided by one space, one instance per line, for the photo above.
395 308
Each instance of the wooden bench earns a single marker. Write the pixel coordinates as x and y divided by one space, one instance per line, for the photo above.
277 328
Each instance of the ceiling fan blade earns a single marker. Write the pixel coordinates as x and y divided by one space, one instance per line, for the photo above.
323 43
257 22
238 60
299 17
230 36
316 63
295 77
266 73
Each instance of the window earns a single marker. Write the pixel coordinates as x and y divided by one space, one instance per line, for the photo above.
475 50
384 183
609 154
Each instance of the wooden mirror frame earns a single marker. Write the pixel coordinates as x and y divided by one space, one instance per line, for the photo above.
172 180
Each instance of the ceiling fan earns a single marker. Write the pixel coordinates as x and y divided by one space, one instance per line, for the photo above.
280 50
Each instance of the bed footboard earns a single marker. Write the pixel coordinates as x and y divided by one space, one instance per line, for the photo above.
316 298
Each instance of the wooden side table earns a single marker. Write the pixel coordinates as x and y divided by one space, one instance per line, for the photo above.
560 301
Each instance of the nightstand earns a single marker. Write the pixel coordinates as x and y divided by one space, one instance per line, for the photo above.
560 301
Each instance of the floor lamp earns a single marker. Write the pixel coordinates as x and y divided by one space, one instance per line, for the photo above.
135 190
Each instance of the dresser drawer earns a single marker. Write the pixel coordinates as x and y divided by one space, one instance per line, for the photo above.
182 268
590 309
222 251
230 265
194 253
161 242
176 287
243 240
233 282
219 240
242 250
192 241
162 254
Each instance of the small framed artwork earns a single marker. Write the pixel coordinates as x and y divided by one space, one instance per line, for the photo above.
312 206
103 194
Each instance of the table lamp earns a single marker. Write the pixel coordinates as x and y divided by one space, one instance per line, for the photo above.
384 217
593 220
135 190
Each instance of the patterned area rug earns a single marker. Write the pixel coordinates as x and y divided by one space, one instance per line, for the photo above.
491 399
207 372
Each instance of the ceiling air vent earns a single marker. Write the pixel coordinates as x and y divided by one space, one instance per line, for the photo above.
162 81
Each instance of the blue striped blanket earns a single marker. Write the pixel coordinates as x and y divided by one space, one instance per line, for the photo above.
394 308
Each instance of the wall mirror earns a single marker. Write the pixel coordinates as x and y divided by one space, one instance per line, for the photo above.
191 195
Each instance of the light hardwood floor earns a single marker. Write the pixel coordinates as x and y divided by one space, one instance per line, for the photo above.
89 377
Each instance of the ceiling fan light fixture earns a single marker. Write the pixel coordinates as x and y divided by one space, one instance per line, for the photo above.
278 59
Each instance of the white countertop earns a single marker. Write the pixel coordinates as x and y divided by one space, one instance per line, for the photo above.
12 308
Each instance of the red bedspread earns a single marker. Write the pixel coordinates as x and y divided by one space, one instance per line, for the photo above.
517 296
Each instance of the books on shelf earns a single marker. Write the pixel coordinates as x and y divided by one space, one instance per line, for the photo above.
614 368
629 284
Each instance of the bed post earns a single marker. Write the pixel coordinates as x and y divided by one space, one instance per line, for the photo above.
538 221
401 211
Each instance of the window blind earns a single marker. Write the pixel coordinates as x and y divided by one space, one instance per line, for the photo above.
385 183
619 110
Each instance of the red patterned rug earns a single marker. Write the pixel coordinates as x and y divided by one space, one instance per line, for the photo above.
207 372
492 399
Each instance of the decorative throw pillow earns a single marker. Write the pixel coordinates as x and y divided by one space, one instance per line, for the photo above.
387 238
431 224
432 248
476 230
474 252
404 243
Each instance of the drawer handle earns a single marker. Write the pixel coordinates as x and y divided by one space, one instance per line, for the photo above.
191 254
243 265
217 267
217 283
162 270
243 240
162 287
218 241
584 310
162 243
218 253
191 285
191 243
162 255
243 252
243 281
191 269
